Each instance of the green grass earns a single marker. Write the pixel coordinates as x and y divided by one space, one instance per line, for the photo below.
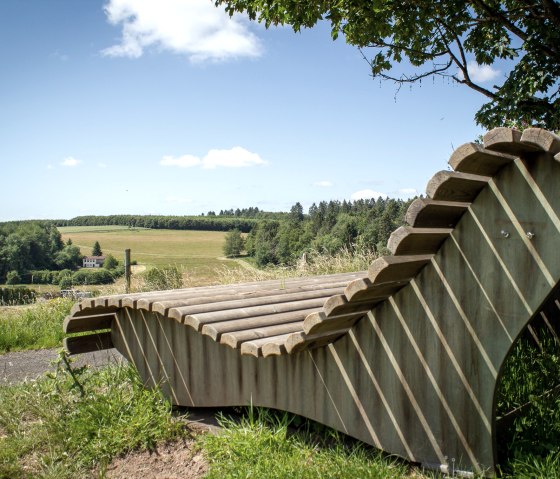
33 327
66 425
199 253
261 444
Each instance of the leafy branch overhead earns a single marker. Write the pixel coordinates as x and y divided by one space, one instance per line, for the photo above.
446 38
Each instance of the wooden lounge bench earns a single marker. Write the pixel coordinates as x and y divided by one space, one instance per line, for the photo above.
405 356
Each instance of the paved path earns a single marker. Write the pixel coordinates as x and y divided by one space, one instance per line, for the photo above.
16 367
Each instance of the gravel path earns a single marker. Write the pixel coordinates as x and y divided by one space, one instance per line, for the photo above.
18 366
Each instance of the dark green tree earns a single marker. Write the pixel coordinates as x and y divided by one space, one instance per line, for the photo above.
110 262
96 251
446 38
69 257
234 243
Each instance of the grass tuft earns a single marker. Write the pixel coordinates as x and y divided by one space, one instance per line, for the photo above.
263 444
65 425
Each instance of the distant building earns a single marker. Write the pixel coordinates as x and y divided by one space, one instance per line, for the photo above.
93 261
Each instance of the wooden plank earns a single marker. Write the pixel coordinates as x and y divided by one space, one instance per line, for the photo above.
254 347
88 344
297 342
234 339
215 330
542 139
454 186
407 240
319 322
507 140
474 158
270 298
339 304
87 323
199 320
276 347
364 289
94 311
397 268
427 213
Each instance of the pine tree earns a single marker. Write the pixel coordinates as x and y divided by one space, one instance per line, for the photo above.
96 251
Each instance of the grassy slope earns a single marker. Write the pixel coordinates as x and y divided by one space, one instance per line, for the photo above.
198 252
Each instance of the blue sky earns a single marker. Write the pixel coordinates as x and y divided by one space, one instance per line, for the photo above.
169 107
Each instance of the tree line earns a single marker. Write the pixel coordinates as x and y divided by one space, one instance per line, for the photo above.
326 227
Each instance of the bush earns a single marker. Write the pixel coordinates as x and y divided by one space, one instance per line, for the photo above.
168 277
13 277
92 276
110 262
20 295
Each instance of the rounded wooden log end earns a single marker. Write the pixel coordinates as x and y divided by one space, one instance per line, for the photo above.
273 349
312 320
542 139
208 330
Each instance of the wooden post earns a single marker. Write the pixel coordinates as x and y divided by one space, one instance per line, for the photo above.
127 269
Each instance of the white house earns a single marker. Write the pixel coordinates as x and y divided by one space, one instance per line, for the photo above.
93 261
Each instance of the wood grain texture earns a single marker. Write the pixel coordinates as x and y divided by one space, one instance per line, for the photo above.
73 324
474 158
454 186
544 140
397 268
507 140
407 241
427 213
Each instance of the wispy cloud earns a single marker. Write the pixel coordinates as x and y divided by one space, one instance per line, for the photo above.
408 192
101 165
70 161
323 184
235 157
366 194
481 73
195 28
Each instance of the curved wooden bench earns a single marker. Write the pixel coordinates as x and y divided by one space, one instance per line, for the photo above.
406 356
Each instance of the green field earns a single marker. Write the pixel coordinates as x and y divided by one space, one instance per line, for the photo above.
199 253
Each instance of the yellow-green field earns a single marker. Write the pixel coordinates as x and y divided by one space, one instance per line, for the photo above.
199 253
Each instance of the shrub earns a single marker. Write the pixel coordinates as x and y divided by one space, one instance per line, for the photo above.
168 277
19 295
92 276
110 262
13 277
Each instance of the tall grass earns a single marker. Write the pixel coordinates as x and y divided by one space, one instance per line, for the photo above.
33 327
65 425
312 263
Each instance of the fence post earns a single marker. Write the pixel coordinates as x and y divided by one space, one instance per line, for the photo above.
127 269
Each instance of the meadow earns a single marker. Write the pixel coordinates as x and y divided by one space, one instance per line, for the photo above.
198 253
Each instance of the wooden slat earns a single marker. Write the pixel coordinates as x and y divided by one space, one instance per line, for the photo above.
254 347
274 347
507 140
339 304
454 186
87 323
297 342
234 340
215 330
163 307
364 289
474 158
319 322
199 320
88 344
426 213
541 139
102 310
414 241
397 268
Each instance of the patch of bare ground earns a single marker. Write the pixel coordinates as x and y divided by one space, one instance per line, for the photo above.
175 460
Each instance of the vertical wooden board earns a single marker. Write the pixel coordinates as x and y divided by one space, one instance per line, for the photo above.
181 355
148 325
512 251
356 355
440 394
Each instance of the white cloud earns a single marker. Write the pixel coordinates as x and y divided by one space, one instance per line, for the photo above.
366 194
195 28
323 184
235 157
482 73
70 161
102 165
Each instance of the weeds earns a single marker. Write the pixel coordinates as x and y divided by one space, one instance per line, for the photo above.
34 327
65 425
